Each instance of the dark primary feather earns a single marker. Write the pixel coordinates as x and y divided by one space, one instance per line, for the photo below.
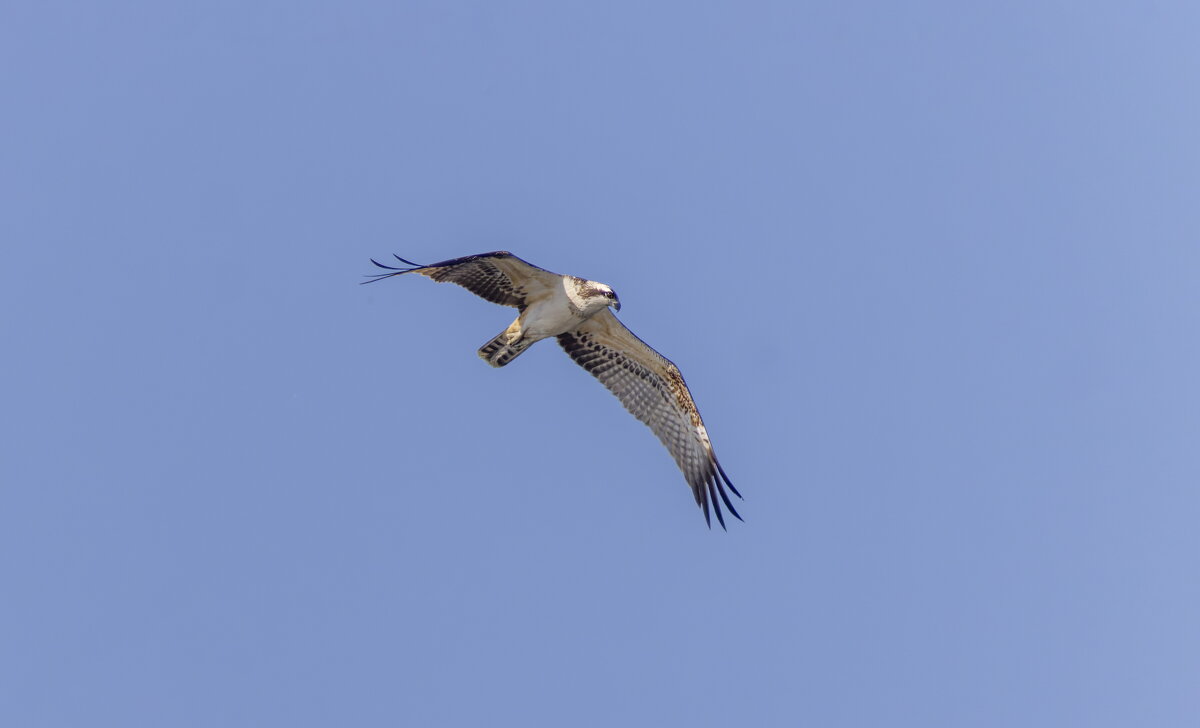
499 277
653 390
395 271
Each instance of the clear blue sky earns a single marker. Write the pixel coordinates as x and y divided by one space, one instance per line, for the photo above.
932 271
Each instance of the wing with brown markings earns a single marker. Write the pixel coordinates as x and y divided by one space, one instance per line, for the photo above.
653 390
499 277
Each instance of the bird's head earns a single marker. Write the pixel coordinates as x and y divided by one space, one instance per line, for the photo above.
608 296
590 297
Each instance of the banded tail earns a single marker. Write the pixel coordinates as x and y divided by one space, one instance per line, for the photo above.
499 352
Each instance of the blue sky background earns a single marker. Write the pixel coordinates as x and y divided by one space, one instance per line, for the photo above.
932 271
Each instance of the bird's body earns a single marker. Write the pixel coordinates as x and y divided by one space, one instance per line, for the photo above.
552 310
576 312
550 316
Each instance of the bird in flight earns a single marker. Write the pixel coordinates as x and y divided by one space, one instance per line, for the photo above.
576 312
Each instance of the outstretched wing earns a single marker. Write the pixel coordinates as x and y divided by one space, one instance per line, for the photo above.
499 277
653 390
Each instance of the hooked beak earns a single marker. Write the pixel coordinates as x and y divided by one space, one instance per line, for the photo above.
616 304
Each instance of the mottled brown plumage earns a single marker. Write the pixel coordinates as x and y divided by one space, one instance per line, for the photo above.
652 389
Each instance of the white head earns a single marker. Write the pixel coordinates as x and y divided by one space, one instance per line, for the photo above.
591 297
605 296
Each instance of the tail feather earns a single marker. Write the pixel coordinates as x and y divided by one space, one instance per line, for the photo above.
499 352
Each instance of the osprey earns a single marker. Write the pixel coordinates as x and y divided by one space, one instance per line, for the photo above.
576 312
